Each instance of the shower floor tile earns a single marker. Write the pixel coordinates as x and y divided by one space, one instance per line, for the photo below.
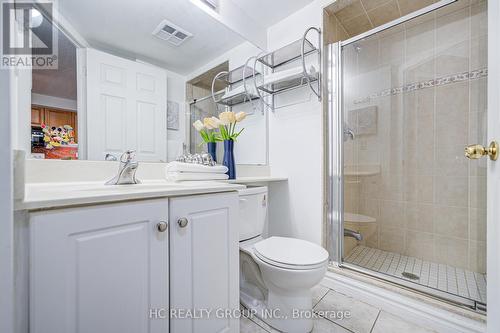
446 278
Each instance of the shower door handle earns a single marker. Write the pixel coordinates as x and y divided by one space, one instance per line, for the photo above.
475 152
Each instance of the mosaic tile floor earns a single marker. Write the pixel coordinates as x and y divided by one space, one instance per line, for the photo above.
447 278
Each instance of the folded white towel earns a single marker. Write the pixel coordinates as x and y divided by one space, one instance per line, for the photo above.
191 167
180 176
288 74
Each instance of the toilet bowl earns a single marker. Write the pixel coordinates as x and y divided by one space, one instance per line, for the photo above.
276 273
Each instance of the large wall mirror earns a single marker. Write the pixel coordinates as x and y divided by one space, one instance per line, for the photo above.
109 94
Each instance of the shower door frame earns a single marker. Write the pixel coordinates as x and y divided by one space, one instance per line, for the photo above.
335 161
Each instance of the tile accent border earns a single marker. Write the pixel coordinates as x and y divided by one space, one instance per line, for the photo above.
460 77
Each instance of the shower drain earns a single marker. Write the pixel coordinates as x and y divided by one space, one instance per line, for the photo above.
410 276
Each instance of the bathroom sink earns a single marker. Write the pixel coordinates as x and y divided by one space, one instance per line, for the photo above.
143 187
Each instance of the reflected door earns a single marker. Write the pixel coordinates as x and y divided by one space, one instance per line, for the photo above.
126 108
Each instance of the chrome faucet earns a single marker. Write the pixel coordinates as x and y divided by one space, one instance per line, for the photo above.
126 171
354 234
110 157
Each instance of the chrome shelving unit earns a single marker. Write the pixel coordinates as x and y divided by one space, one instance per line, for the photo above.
237 74
287 84
297 50
235 80
288 53
263 87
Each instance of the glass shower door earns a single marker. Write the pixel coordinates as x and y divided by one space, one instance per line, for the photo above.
413 206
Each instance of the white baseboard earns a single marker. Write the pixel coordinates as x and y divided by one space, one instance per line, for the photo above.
422 313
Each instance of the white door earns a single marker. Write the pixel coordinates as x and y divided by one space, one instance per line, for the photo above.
99 269
493 170
204 270
126 108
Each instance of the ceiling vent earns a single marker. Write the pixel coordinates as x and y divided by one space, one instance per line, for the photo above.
171 33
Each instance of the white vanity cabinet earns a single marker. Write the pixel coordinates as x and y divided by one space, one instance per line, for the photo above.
204 257
108 268
99 268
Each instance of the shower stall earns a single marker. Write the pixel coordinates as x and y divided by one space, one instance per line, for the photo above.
404 99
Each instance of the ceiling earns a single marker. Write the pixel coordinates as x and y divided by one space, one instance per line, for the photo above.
269 12
125 28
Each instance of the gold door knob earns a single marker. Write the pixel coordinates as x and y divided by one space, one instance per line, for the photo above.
475 152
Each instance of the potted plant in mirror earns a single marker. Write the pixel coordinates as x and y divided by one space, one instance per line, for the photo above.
228 133
208 132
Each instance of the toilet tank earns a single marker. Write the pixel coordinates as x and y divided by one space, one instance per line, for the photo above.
252 212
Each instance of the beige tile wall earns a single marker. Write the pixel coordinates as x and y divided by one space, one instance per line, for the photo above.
357 16
429 200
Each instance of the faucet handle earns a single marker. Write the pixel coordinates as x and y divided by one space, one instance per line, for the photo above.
127 156
110 157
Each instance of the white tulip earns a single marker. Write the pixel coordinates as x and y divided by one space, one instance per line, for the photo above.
240 116
212 123
227 117
198 125
216 122
207 123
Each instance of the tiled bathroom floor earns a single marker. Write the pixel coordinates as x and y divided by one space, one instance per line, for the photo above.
447 278
364 317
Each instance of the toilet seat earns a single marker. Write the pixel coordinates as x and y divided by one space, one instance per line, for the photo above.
290 253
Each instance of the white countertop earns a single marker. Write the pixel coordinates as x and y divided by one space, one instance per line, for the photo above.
55 195
258 179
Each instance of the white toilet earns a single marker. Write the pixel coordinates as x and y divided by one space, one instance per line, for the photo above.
276 273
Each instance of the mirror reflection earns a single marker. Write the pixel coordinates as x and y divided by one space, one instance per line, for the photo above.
109 95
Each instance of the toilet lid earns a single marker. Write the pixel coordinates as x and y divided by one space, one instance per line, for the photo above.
290 252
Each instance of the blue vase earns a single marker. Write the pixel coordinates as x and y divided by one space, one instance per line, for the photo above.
212 150
229 158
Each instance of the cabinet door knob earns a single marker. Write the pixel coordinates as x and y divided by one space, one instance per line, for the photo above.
182 222
162 226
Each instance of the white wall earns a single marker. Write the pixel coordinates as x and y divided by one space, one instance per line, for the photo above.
21 120
295 145
176 92
236 57
6 205
235 18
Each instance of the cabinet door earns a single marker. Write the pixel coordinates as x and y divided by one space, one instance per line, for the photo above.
204 261
36 116
99 269
59 118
